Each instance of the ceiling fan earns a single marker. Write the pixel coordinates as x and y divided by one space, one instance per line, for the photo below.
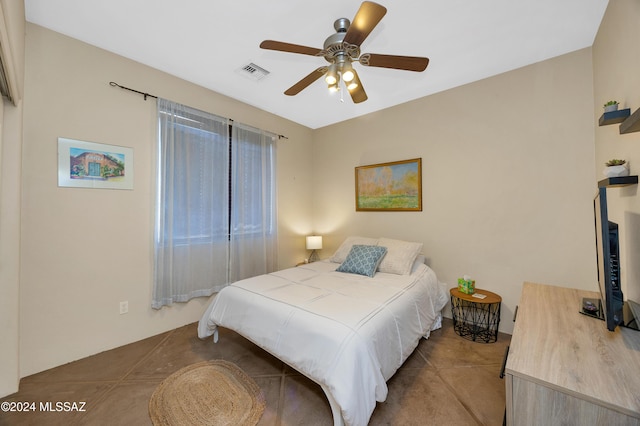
343 48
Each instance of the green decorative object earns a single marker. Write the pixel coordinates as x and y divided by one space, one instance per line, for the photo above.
466 286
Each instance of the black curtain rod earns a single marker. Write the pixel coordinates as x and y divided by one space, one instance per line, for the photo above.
114 84
147 95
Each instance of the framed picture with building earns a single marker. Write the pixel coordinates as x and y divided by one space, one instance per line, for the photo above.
93 165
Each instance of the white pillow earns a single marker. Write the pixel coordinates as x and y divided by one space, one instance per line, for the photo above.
420 259
343 251
400 256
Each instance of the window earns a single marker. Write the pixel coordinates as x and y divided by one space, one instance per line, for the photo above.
215 204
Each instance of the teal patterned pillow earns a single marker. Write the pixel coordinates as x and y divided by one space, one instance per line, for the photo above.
363 260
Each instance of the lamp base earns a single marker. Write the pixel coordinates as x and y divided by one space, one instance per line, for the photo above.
314 256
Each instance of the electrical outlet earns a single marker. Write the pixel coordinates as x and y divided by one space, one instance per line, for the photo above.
124 307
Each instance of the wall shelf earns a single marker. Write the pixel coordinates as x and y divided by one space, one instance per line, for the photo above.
618 181
614 117
631 124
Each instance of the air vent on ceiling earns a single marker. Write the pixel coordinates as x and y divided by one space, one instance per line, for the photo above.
253 71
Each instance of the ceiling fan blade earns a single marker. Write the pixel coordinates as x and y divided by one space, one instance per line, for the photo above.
364 22
408 63
306 81
288 47
357 93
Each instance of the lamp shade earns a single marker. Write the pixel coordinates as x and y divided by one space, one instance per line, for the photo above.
314 242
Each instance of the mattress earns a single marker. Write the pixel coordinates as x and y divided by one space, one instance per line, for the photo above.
347 332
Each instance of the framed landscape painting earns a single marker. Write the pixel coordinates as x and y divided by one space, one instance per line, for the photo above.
395 186
93 165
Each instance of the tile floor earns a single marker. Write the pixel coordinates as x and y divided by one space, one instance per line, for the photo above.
447 381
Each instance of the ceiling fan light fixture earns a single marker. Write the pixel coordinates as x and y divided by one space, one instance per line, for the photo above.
332 75
347 73
333 87
354 83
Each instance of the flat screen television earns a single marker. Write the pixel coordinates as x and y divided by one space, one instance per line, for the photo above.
611 306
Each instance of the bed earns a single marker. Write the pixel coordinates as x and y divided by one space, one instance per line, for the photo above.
346 324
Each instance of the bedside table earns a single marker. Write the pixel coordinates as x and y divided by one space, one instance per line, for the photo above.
475 318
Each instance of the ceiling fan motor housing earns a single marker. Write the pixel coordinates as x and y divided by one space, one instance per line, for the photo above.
335 50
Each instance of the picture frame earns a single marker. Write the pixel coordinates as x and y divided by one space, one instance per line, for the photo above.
93 165
394 186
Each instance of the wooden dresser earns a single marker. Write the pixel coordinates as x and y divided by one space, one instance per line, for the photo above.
565 368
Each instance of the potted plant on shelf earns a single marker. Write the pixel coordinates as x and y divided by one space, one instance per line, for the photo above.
611 106
616 168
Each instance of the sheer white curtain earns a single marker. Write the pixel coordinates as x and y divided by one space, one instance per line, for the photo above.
253 216
215 206
192 205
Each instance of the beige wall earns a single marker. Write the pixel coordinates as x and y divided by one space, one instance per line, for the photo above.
85 250
616 61
507 171
10 183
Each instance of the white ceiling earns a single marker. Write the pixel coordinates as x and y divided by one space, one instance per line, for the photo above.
207 41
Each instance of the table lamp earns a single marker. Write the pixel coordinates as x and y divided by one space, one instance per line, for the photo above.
314 242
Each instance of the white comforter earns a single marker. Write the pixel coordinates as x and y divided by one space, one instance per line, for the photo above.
347 332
